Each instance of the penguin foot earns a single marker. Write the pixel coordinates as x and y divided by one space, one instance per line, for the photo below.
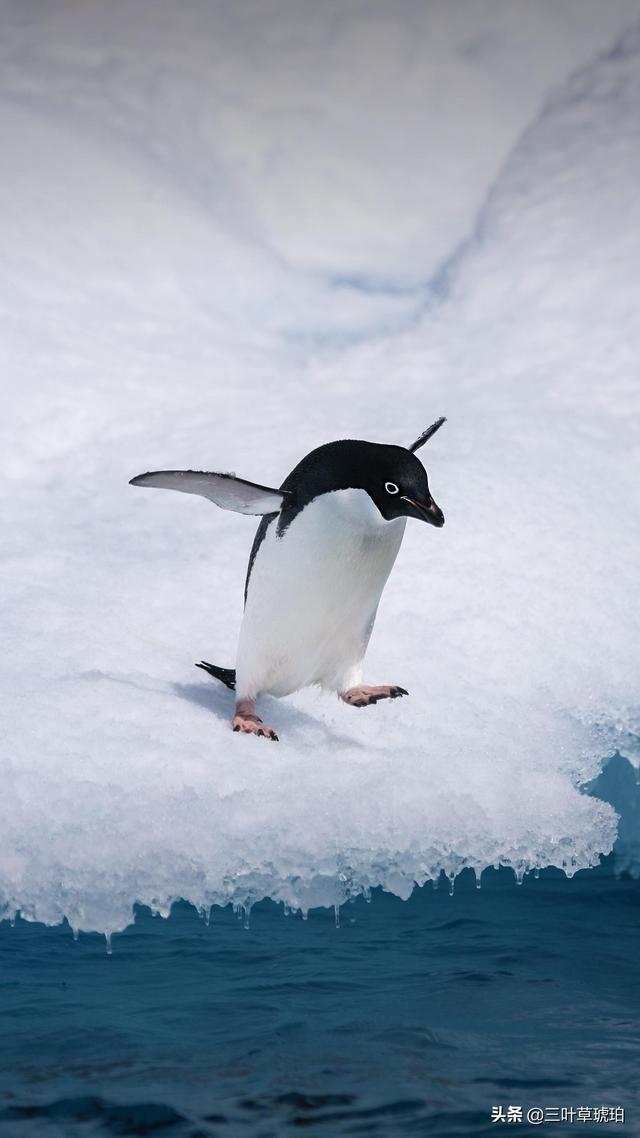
252 725
365 695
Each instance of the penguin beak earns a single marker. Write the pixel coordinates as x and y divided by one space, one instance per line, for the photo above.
425 512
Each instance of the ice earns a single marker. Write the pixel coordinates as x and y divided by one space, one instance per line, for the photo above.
224 244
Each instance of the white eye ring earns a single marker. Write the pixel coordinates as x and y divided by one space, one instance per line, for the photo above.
391 488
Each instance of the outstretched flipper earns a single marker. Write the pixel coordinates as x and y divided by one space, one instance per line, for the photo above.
227 491
227 676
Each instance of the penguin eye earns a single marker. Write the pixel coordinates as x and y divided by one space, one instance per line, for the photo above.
391 488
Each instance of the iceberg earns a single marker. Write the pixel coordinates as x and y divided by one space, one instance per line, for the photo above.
160 310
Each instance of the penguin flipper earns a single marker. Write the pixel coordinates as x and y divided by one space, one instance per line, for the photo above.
227 491
227 676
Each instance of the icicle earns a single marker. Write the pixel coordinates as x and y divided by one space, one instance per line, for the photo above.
107 938
75 932
246 916
336 910
452 885
519 876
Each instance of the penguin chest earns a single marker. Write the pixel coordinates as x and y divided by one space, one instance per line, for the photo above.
313 594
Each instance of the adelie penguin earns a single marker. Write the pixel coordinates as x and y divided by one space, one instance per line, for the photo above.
320 559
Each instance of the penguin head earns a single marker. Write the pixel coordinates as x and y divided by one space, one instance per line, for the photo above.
399 486
392 476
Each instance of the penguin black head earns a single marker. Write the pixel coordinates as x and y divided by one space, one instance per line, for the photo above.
399 486
392 476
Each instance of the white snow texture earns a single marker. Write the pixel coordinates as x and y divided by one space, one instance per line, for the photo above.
232 232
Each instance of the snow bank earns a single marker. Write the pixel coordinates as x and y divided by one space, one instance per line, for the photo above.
168 301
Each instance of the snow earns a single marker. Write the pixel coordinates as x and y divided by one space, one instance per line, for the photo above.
232 233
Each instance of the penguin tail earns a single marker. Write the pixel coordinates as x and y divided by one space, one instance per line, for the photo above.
227 676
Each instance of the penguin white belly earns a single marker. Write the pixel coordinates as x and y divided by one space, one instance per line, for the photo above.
313 595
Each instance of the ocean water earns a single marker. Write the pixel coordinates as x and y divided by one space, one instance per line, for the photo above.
411 1017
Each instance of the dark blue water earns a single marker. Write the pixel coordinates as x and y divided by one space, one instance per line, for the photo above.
411 1018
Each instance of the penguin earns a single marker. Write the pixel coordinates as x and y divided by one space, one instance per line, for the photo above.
325 545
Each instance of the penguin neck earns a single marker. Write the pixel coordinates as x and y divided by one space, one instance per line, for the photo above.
354 510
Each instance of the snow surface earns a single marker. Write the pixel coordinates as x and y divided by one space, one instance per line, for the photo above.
231 233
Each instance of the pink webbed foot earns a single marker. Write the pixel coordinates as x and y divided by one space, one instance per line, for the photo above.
246 721
365 694
252 725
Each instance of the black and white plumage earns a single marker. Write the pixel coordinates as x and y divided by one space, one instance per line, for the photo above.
323 551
